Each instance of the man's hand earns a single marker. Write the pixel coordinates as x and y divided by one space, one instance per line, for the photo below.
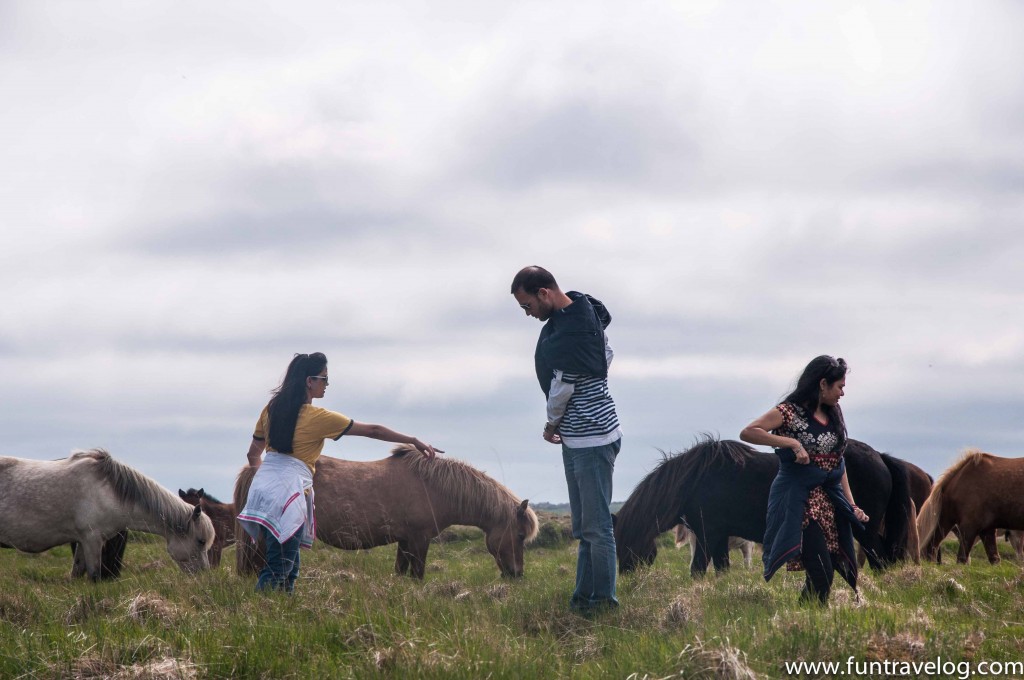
551 433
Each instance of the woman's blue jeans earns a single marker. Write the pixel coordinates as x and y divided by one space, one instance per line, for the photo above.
282 566
588 472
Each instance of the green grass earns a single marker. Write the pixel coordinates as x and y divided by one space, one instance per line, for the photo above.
351 617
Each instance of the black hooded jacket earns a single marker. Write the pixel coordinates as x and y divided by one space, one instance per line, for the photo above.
572 341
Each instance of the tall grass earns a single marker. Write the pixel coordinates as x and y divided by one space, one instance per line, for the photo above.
351 617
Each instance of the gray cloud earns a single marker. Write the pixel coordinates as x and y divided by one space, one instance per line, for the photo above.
192 197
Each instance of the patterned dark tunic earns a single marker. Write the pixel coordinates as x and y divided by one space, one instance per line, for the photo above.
821 441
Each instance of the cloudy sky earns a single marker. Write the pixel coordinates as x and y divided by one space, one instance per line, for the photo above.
192 192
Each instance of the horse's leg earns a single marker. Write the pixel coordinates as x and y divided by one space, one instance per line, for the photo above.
700 557
418 558
215 551
747 549
77 561
90 549
720 553
402 558
113 554
988 539
1017 541
967 538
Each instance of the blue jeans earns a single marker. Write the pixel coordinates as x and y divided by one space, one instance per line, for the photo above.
588 471
282 566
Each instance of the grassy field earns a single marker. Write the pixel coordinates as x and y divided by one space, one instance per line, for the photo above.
350 617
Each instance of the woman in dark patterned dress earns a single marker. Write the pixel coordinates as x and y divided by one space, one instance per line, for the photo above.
807 428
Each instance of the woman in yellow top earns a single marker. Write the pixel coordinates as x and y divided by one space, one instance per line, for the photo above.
279 507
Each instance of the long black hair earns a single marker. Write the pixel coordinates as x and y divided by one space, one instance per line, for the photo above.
288 399
808 390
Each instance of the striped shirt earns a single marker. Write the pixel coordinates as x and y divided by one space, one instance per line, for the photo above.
583 408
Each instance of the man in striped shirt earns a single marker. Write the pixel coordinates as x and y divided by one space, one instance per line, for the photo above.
571 361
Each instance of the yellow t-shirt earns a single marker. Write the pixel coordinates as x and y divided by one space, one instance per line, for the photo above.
314 425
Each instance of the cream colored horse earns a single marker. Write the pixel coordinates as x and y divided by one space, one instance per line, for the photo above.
89 498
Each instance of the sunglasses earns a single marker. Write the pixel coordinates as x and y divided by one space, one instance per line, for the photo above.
320 377
525 305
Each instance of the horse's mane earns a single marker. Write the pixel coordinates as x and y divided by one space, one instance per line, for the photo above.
928 514
132 487
653 505
475 492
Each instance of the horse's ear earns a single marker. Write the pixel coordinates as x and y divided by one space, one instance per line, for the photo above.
181 494
196 512
522 507
201 493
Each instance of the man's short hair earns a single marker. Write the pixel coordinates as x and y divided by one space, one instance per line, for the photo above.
532 279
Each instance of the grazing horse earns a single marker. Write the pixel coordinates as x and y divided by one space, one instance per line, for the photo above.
978 494
720 488
684 535
221 514
89 498
407 499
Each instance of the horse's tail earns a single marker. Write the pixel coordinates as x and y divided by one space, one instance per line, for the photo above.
930 514
249 554
928 519
913 551
897 511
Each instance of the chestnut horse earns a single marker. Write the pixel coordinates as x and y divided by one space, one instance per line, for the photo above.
978 494
720 488
89 498
407 499
221 514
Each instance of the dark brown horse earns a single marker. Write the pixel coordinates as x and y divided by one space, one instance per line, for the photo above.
405 499
221 514
977 495
720 488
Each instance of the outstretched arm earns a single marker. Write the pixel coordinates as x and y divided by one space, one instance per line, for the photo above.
388 435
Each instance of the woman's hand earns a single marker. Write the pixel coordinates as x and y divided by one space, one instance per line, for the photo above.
426 449
801 455
859 514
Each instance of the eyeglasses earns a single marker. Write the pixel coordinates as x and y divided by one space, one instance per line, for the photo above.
320 377
525 305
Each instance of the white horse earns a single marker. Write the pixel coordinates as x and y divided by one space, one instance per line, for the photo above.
89 498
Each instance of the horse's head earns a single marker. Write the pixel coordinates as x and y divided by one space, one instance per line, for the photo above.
188 545
631 558
633 550
507 541
192 496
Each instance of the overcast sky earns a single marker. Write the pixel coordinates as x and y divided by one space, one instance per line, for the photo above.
192 192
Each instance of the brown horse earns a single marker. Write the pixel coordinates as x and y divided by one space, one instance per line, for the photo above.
221 514
978 494
407 499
